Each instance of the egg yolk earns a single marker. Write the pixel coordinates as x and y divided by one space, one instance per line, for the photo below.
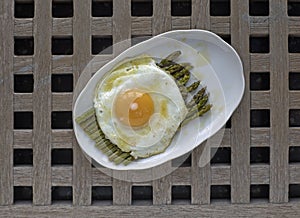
134 108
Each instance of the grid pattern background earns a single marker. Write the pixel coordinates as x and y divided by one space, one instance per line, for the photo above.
45 44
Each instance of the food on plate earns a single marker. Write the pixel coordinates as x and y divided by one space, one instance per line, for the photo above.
139 106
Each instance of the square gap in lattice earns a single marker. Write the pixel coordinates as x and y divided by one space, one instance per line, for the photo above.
260 81
61 194
23 157
294 192
102 8
182 161
220 193
293 8
142 195
102 195
259 44
141 8
23 83
220 7
294 154
294 81
23 120
294 118
259 7
294 44
61 120
22 194
62 82
102 45
259 118
259 192
181 8
260 155
24 9
24 46
62 45
181 194
62 9
220 156
63 156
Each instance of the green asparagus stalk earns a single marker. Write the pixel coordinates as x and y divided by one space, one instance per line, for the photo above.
128 160
193 86
181 73
198 106
169 59
183 80
196 98
200 113
121 158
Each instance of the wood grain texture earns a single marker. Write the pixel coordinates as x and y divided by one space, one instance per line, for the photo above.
291 210
23 27
279 180
240 138
82 176
42 104
6 102
161 22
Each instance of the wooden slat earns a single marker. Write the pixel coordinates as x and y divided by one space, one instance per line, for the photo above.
62 101
294 60
291 210
23 65
122 34
6 102
23 176
294 173
22 138
259 25
82 44
220 175
42 105
62 176
294 25
200 180
61 26
294 99
141 26
62 138
279 115
294 137
23 27
259 62
62 64
240 138
161 22
22 101
260 137
260 100
181 23
220 25
101 26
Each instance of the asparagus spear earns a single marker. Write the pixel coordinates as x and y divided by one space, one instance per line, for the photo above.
201 112
183 72
193 86
196 98
169 59
183 80
198 106
128 160
121 158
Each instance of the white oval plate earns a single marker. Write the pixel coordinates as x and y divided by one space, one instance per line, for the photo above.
215 63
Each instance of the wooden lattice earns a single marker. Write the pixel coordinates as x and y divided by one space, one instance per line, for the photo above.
266 124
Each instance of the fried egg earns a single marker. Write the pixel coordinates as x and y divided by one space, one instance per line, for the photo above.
139 107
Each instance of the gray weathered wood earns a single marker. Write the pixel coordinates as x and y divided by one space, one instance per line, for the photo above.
42 104
81 57
6 102
240 138
279 180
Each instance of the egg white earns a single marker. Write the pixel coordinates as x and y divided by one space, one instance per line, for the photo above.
169 107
